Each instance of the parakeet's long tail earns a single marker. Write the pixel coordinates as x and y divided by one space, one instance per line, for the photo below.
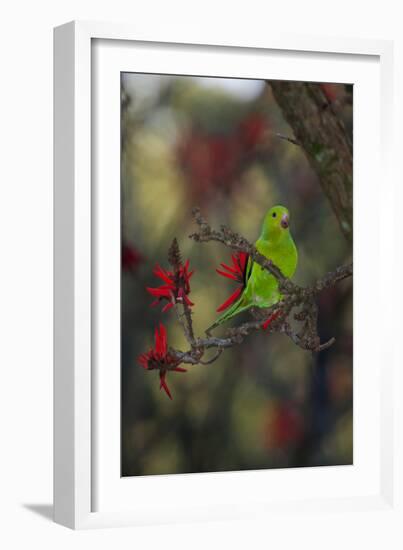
240 305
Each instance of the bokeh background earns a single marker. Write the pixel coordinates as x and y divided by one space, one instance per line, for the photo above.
214 143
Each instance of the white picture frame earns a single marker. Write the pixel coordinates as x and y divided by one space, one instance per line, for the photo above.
87 491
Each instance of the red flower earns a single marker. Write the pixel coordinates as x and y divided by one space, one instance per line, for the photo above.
176 287
236 272
253 131
131 258
272 318
160 358
208 161
285 426
331 91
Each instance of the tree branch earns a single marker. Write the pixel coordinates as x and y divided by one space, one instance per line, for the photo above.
273 319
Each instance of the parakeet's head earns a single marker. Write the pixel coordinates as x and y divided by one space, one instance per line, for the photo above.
276 222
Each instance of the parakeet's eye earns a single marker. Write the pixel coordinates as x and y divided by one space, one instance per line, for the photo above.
274 214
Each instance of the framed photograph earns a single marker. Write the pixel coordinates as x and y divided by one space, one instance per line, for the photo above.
220 232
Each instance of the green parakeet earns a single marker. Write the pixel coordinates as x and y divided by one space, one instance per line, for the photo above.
276 244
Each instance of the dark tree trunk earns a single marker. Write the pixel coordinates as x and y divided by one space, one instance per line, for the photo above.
323 137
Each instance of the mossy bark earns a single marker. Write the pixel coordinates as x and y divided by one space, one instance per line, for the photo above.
323 137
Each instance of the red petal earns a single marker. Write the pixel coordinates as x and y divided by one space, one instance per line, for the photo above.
160 291
167 307
243 260
234 270
270 319
158 348
159 272
227 275
164 385
230 300
143 360
163 340
179 369
189 303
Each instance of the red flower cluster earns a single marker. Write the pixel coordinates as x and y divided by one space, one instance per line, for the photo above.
160 358
253 131
236 272
285 426
176 287
331 91
211 160
131 258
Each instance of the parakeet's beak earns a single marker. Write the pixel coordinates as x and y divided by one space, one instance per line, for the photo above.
285 221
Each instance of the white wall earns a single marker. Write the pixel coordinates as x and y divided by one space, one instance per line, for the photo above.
26 259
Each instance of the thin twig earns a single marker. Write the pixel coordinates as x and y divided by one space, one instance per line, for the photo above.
287 138
187 330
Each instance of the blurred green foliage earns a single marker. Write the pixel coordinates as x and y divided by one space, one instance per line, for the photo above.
265 404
